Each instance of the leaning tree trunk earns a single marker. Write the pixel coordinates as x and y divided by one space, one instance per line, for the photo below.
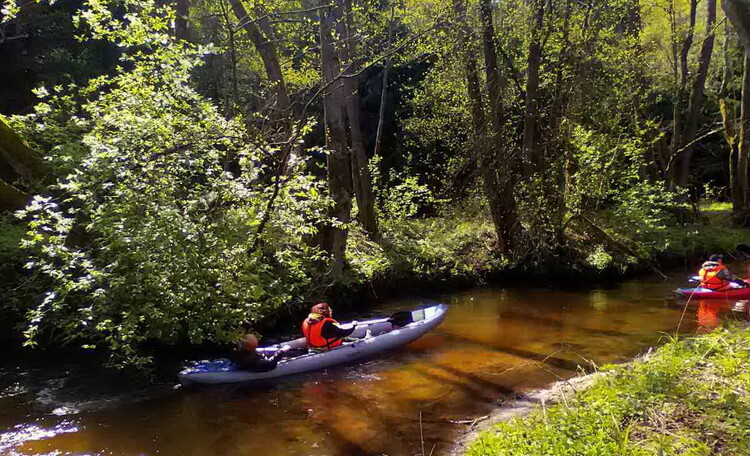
266 47
738 12
18 163
360 164
338 159
696 98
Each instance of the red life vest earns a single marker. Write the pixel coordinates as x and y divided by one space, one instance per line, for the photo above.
709 274
312 331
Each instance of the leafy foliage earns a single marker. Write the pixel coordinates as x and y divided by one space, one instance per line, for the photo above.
151 235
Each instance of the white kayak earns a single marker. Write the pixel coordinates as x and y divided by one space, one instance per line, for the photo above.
384 335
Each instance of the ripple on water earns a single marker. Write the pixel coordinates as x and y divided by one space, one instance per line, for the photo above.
22 433
13 390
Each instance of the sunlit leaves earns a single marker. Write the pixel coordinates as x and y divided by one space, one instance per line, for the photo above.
152 232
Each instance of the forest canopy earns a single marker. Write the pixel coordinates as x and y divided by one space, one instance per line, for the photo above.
180 170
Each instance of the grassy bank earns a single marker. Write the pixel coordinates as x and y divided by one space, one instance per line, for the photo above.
689 398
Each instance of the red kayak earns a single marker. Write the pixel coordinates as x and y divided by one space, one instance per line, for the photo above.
706 293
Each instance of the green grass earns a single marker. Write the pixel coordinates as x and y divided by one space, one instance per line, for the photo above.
714 206
690 398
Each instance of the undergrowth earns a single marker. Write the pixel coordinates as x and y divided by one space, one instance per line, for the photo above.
462 244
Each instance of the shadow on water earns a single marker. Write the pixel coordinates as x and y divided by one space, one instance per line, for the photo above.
559 324
549 359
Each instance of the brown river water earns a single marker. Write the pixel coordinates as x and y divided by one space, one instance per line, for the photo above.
494 344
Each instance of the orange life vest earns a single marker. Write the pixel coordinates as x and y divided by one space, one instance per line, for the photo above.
709 274
312 330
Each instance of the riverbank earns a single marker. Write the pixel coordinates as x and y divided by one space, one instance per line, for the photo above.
689 397
455 250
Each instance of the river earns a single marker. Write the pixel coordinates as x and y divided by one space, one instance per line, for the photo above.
494 344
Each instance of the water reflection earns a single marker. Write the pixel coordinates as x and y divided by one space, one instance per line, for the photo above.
712 312
23 433
493 345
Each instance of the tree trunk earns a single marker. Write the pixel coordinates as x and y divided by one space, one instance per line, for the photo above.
492 73
360 166
532 159
730 134
181 31
729 123
687 43
384 89
338 158
16 158
230 103
696 97
744 136
479 133
11 198
267 49
17 162
556 148
498 163
680 95
738 12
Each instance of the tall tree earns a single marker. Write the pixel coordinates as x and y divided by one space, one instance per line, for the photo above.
697 97
258 29
360 167
338 160
743 147
182 8
499 163
685 123
730 124
384 88
738 12
531 153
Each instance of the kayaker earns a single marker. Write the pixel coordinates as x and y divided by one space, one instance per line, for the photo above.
321 330
715 276
247 358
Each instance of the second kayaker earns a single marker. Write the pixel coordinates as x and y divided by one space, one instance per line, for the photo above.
715 276
321 330
247 357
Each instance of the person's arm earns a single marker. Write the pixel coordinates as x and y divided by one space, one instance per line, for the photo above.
724 274
263 364
331 330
